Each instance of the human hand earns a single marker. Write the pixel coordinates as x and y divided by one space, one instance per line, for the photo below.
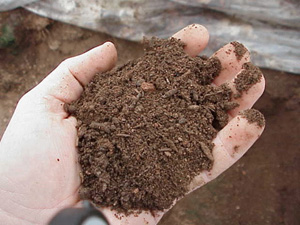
39 172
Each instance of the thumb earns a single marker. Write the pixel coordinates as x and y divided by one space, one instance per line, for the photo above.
66 82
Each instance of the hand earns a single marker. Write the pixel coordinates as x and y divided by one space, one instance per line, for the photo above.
39 171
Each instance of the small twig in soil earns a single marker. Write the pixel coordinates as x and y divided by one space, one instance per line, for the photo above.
185 74
207 95
206 151
194 107
136 99
170 143
165 150
123 135
170 93
138 126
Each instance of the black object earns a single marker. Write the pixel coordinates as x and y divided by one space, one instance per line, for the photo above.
88 215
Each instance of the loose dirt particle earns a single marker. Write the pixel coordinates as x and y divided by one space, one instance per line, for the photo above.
139 150
236 148
254 116
147 86
170 93
239 50
249 76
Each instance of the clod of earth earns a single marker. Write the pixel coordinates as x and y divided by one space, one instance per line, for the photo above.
253 116
145 129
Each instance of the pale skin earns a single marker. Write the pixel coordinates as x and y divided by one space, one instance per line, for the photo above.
39 171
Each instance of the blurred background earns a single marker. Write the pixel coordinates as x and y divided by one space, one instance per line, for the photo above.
264 186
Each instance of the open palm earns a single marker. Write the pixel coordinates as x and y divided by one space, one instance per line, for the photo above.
39 171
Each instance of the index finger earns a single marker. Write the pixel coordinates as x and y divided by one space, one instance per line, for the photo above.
195 37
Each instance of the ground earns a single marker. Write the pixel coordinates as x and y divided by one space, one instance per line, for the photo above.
262 188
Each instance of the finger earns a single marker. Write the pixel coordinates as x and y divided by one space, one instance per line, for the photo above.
231 143
67 80
253 81
232 57
195 37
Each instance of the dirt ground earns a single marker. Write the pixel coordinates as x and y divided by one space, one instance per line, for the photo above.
262 188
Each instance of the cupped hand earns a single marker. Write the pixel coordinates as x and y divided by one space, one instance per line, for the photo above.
39 171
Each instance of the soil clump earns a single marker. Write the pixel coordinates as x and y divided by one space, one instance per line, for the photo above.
254 116
145 129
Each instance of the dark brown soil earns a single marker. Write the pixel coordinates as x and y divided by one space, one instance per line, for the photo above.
254 116
268 173
249 76
239 50
145 128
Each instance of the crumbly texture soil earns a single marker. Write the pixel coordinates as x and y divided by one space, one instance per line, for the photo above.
239 49
249 76
229 198
146 128
254 116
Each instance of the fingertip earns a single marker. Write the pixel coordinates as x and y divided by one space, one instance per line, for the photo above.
255 118
102 58
241 132
246 99
111 48
232 57
67 80
196 38
235 51
234 140
99 59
